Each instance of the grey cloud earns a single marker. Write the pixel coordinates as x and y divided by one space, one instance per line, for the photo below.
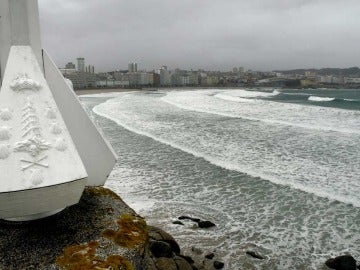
210 34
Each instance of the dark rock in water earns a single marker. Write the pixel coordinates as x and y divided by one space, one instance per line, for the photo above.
206 224
210 256
254 255
345 262
218 265
177 222
189 218
161 249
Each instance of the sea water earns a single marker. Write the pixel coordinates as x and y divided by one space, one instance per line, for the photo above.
278 171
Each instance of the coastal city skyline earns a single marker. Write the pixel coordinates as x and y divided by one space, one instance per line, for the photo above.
85 76
211 35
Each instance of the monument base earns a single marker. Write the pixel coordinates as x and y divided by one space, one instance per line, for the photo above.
38 203
35 217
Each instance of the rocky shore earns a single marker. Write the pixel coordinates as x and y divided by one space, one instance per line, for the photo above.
101 232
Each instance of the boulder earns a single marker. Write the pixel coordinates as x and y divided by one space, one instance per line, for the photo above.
205 224
182 264
187 258
210 256
160 235
345 262
160 249
218 265
177 222
165 264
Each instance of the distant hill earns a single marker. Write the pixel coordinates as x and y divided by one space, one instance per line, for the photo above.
347 72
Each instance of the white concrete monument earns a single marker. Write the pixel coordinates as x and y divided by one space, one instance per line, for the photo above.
49 148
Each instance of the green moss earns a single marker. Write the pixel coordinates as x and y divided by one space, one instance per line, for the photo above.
132 232
101 191
83 257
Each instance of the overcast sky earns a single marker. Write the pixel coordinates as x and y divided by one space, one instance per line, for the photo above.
208 34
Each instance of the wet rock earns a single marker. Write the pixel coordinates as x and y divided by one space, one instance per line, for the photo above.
150 265
187 258
210 256
255 255
177 222
165 264
189 218
160 249
218 265
182 264
160 235
345 262
205 224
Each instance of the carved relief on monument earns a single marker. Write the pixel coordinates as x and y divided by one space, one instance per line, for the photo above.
39 162
5 114
55 128
36 178
5 133
34 146
50 113
23 82
30 121
4 151
60 145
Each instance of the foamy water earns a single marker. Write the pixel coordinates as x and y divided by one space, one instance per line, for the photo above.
320 118
320 99
279 178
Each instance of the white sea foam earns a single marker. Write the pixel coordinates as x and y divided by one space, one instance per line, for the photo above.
320 99
296 170
233 98
309 117
351 99
249 94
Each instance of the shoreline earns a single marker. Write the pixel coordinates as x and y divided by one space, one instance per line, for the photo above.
82 92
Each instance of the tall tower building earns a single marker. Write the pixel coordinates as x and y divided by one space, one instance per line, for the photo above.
70 65
132 67
81 64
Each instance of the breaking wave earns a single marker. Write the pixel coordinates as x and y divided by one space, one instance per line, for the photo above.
320 99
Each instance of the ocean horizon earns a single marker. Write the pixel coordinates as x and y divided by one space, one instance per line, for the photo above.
277 170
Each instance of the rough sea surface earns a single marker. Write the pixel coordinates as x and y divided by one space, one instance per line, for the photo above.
278 171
